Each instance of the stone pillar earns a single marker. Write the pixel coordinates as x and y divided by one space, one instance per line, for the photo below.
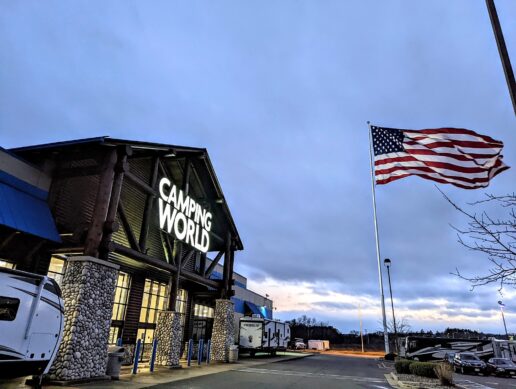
169 335
88 292
223 334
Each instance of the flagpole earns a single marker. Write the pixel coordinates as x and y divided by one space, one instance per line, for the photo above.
385 332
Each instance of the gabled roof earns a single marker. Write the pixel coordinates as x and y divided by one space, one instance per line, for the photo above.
142 148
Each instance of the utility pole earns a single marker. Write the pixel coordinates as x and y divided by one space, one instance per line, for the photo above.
502 50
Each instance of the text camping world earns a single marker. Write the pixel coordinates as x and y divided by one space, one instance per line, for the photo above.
180 213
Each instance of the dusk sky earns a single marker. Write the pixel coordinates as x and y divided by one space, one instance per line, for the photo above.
279 92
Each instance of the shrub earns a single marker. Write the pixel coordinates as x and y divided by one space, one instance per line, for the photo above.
423 369
444 372
402 366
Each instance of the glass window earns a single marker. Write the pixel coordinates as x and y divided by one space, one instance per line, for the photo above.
6 264
56 269
203 311
154 296
114 332
123 284
8 308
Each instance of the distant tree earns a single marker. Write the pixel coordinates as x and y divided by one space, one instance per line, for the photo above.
492 236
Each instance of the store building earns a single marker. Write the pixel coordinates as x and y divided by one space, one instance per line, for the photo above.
127 228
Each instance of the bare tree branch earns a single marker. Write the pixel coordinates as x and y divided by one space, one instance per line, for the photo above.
494 237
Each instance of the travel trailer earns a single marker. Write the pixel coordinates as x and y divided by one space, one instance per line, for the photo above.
259 334
31 323
428 348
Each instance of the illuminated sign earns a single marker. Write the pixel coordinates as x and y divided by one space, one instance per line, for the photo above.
180 214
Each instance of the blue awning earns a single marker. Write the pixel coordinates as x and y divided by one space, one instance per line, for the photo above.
254 309
24 208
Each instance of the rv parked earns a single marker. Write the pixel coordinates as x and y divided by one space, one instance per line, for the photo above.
427 348
31 323
258 334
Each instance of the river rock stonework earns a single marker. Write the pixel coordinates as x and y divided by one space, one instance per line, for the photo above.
169 336
88 293
223 334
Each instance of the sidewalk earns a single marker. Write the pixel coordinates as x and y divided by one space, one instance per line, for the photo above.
163 375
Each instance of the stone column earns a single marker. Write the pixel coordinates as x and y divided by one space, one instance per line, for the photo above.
169 335
88 292
223 334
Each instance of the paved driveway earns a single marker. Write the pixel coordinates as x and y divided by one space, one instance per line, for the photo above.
321 371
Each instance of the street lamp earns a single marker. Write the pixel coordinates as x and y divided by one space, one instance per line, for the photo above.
505 326
387 263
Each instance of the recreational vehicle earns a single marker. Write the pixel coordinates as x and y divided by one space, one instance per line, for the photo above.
426 348
31 323
259 334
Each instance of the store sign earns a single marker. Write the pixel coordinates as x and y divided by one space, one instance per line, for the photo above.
181 215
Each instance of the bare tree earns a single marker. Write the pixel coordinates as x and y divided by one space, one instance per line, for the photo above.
494 237
402 326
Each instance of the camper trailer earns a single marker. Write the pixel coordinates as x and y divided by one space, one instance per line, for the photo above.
259 334
31 323
428 349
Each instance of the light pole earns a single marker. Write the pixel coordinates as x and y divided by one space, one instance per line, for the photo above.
387 263
505 326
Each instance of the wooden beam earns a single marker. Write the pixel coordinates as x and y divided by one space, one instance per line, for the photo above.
120 167
162 265
147 211
213 264
141 184
168 247
227 263
127 226
202 265
100 211
187 258
175 284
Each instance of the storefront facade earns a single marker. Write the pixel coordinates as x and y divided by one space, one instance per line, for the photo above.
152 212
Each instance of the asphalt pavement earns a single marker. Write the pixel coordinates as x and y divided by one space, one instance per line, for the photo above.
319 371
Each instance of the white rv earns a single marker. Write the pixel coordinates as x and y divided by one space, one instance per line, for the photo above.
259 334
31 323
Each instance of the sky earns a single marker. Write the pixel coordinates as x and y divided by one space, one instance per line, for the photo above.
280 94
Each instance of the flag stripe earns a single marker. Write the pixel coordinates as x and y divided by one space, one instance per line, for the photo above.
430 163
455 131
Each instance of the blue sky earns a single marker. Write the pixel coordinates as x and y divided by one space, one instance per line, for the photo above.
279 93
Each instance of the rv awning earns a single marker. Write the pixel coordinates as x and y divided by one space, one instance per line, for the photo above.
24 208
254 309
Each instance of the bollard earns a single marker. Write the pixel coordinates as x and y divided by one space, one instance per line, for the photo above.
119 342
137 355
189 355
153 355
199 352
208 350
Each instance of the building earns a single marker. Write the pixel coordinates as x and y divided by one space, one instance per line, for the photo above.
128 229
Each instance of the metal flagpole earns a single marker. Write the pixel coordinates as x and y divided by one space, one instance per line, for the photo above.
385 332
361 335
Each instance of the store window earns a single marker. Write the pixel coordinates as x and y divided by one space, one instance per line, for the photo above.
154 300
203 311
56 269
202 322
182 297
120 301
6 264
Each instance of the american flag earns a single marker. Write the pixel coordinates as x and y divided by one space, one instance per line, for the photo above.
447 155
